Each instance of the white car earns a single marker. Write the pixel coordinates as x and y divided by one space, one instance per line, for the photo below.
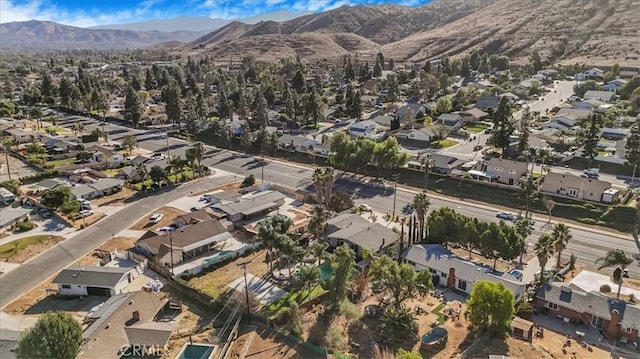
156 218
166 229
365 208
85 213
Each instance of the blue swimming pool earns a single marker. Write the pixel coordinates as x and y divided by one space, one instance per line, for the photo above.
197 351
325 270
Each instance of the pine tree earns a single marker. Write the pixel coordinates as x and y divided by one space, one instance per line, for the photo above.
502 126
132 107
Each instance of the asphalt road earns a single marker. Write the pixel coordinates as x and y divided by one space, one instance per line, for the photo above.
562 91
38 269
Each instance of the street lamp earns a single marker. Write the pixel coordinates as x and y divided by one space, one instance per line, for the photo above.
171 250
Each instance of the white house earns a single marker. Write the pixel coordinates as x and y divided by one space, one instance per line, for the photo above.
589 74
362 128
450 271
99 281
602 96
425 134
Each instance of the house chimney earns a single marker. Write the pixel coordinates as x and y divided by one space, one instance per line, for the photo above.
612 326
136 315
451 279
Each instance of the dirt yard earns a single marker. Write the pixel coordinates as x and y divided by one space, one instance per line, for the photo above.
549 347
169 214
228 187
119 244
22 304
266 343
24 254
214 283
191 320
88 221
116 199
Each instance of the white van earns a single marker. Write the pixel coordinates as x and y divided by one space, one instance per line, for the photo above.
6 196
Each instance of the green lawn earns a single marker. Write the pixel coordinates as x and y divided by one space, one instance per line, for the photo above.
299 297
437 311
62 162
11 248
446 143
173 178
477 127
112 172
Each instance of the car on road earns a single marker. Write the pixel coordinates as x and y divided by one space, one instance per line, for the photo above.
365 207
506 216
85 213
156 218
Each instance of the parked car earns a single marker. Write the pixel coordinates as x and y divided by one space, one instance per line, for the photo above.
156 218
506 216
365 207
166 229
45 213
85 213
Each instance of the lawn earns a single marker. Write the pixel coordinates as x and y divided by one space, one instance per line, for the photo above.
10 249
300 297
436 311
477 127
112 172
188 173
446 143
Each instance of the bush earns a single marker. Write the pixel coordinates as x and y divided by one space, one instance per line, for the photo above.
524 310
605 288
39 177
187 276
25 226
248 181
587 220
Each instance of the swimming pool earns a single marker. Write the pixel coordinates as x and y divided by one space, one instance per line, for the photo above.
219 257
325 270
197 351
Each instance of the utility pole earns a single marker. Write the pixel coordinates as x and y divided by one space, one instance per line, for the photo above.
6 157
171 250
262 167
246 289
395 177
167 145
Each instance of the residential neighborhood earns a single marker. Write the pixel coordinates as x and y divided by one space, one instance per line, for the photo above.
361 208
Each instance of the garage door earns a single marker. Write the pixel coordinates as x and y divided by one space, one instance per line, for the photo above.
104 292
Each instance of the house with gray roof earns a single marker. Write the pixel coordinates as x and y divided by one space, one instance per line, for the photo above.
11 216
248 206
359 234
94 280
99 188
452 121
451 271
616 318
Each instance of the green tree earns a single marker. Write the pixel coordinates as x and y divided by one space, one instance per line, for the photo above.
129 143
245 140
561 237
273 232
490 306
387 156
318 221
632 147
618 259
444 105
307 277
57 197
198 153
502 126
543 249
524 129
592 136
340 201
404 354
70 208
350 312
399 324
318 250
535 61
157 174
55 335
342 265
133 109
141 171
291 318
171 98
399 278
581 88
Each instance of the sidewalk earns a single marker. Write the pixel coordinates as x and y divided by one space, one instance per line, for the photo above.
18 323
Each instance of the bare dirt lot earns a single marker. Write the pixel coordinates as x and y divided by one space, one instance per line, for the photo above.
266 343
24 254
169 214
227 187
22 304
119 244
193 318
215 282
87 221
116 199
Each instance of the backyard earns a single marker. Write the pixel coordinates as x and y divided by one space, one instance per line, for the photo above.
477 127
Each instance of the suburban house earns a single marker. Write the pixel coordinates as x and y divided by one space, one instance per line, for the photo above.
523 88
246 206
614 85
6 196
424 134
567 184
602 96
614 134
577 113
358 233
439 164
487 102
362 128
139 319
103 154
589 74
190 218
411 111
450 271
19 134
506 171
99 188
561 122
387 121
185 243
473 115
546 75
95 280
296 143
615 318
451 121
11 216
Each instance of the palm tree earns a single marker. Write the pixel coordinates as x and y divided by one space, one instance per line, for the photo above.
329 178
544 250
524 229
399 324
77 128
561 238
532 156
317 249
425 162
318 221
272 232
307 277
615 258
36 113
142 171
318 182
421 206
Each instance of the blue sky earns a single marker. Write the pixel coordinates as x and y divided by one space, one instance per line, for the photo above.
101 12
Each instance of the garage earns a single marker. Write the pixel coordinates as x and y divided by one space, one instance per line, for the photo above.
98 291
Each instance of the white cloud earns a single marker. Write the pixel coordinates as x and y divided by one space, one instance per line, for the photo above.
12 10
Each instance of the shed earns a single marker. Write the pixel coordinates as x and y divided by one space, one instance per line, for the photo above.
521 328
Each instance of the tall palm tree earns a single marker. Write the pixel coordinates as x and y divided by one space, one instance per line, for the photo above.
142 171
544 250
328 179
318 182
317 249
318 221
561 238
532 156
36 113
425 162
421 206
523 229
615 258
307 277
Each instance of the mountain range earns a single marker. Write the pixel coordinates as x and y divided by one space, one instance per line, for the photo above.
586 31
